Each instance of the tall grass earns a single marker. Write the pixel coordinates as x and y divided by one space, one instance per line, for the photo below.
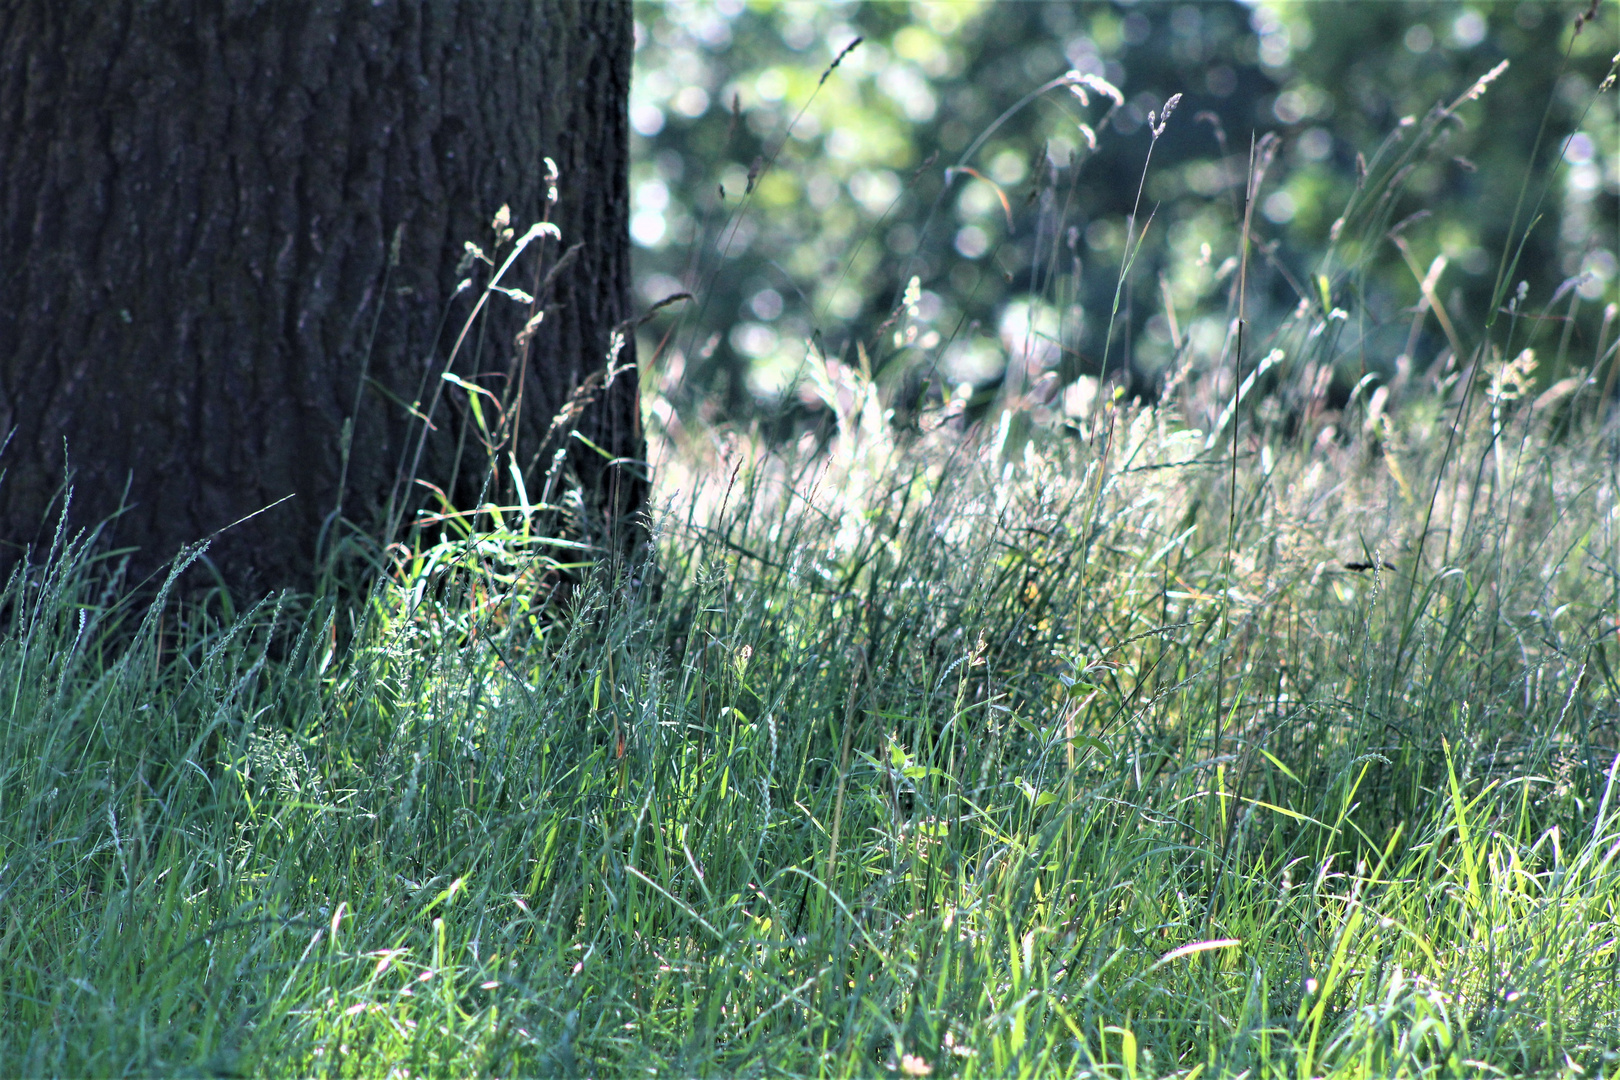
913 764
1186 740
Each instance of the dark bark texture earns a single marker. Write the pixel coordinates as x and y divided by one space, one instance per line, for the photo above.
198 206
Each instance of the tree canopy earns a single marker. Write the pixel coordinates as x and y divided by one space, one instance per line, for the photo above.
797 204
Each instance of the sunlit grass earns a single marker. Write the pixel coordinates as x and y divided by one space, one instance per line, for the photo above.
1109 796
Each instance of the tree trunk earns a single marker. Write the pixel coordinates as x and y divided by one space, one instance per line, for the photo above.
230 241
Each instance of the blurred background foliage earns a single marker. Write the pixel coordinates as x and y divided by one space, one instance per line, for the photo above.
816 213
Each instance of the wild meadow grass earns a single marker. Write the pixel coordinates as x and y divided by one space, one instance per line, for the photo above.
963 757
1231 735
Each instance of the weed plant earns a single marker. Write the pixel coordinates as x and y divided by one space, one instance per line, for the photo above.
1210 737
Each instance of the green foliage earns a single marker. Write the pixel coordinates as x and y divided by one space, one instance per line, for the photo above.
838 189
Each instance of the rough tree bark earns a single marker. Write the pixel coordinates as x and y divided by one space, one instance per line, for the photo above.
198 305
